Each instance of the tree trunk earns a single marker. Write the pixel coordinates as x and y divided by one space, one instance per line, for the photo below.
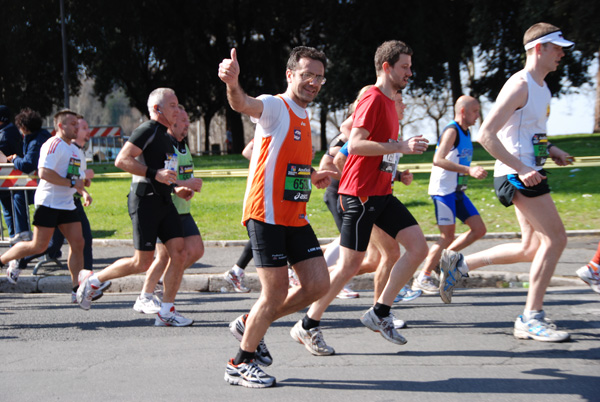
597 111
207 120
324 110
236 127
455 85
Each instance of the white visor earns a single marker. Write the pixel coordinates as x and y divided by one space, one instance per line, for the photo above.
554 37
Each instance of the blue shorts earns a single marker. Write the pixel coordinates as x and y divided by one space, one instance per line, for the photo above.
452 206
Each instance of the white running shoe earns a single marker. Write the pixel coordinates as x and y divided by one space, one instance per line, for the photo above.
589 276
97 294
23 236
426 285
398 323
86 291
248 375
450 275
237 281
147 306
172 319
312 340
385 326
347 293
13 272
262 354
540 329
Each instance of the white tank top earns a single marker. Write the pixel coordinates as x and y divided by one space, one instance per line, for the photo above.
524 134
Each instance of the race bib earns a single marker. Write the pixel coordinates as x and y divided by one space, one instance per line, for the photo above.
186 172
540 148
73 168
461 184
297 183
389 162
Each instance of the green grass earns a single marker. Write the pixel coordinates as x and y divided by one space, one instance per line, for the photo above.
217 209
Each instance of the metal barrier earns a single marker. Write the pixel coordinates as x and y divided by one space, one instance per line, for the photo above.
13 180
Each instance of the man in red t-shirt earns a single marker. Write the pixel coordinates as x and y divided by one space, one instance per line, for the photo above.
366 193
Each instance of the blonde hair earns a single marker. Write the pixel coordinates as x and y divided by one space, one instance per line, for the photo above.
362 91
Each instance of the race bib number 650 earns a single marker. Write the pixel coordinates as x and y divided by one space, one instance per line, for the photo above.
297 183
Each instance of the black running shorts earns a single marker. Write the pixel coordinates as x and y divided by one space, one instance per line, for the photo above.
51 217
361 213
153 216
506 186
276 245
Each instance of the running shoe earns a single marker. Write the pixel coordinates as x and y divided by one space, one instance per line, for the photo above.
172 319
98 294
450 275
540 329
261 355
312 340
159 291
589 276
13 272
385 326
86 291
293 279
426 285
147 305
23 236
347 293
407 294
248 375
237 281
398 323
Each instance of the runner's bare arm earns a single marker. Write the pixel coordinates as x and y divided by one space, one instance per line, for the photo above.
229 72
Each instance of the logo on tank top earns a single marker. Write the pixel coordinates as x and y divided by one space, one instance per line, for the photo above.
297 134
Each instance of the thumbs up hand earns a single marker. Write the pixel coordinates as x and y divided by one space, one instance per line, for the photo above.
229 69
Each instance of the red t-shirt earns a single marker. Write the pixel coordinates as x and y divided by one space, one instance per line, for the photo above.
362 175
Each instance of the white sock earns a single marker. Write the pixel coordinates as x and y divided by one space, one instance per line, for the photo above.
237 270
529 314
145 295
165 308
463 268
94 281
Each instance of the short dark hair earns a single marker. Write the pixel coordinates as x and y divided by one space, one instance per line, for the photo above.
29 119
300 52
60 116
390 51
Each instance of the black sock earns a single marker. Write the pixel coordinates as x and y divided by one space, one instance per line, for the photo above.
309 323
75 288
243 357
381 310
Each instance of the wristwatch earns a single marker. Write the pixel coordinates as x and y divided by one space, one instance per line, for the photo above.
73 181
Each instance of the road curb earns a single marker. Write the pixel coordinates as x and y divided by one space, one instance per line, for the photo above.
216 282
325 240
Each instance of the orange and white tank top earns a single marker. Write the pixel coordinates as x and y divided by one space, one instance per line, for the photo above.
278 186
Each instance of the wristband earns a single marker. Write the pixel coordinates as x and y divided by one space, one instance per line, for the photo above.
151 173
550 145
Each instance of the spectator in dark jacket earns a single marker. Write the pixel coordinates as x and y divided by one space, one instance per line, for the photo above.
11 143
30 124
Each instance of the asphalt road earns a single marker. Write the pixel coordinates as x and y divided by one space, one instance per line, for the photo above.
52 350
